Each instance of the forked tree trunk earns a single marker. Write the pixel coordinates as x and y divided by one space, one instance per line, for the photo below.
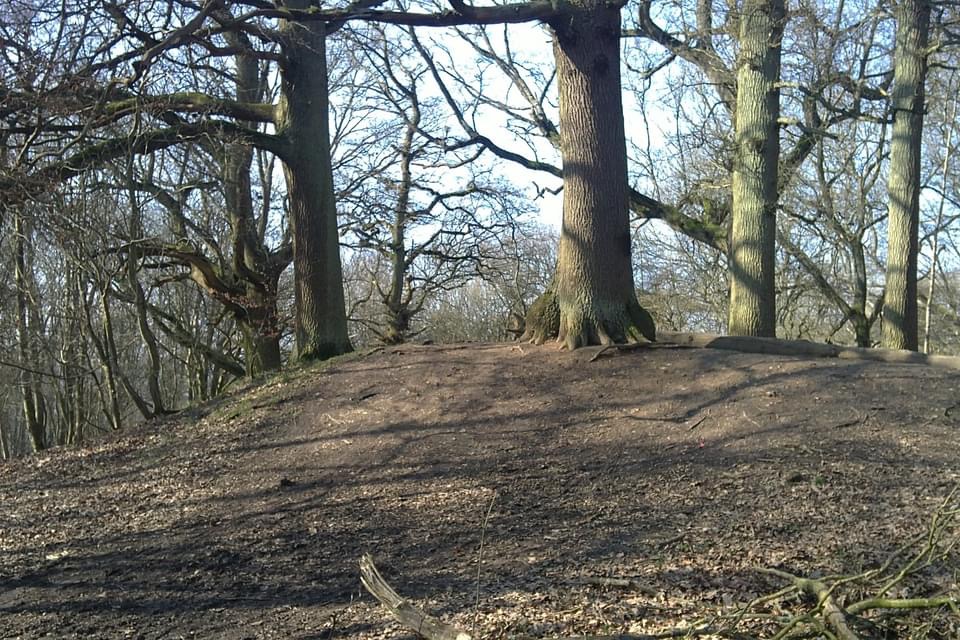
903 184
593 289
252 262
752 253
321 319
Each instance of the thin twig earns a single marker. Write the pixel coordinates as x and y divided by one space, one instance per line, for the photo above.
483 534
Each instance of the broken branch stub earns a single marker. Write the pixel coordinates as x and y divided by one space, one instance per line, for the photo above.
427 626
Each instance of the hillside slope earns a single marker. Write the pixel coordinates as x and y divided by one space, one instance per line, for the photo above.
682 469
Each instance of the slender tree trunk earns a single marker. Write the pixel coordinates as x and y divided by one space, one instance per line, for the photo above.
140 301
903 184
71 404
4 451
34 410
321 318
399 313
752 252
109 397
935 241
592 299
110 345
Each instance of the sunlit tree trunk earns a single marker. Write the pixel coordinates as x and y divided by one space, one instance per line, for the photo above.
593 290
903 184
752 249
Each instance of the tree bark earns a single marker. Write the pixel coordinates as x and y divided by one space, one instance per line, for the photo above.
903 183
752 250
593 287
321 319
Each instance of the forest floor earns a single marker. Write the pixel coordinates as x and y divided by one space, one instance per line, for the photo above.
494 485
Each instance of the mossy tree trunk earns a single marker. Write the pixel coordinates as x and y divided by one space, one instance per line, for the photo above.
592 299
752 246
321 319
903 183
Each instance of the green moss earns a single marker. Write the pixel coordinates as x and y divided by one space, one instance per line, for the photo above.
323 351
543 318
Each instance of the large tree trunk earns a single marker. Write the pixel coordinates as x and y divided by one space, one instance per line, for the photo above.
261 333
593 288
752 252
321 318
903 184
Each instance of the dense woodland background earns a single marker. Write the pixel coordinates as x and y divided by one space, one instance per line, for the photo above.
169 201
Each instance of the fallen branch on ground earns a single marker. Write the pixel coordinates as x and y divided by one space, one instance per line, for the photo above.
432 628
427 626
934 548
832 613
775 346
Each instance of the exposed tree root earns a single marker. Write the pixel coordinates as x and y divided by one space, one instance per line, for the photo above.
576 327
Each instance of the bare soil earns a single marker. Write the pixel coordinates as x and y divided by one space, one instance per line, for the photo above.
533 469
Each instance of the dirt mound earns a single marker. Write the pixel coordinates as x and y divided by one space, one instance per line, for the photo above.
683 470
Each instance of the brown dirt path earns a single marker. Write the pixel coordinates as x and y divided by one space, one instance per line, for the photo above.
683 468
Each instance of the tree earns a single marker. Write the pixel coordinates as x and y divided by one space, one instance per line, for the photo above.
96 95
752 252
594 288
303 125
592 297
904 181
